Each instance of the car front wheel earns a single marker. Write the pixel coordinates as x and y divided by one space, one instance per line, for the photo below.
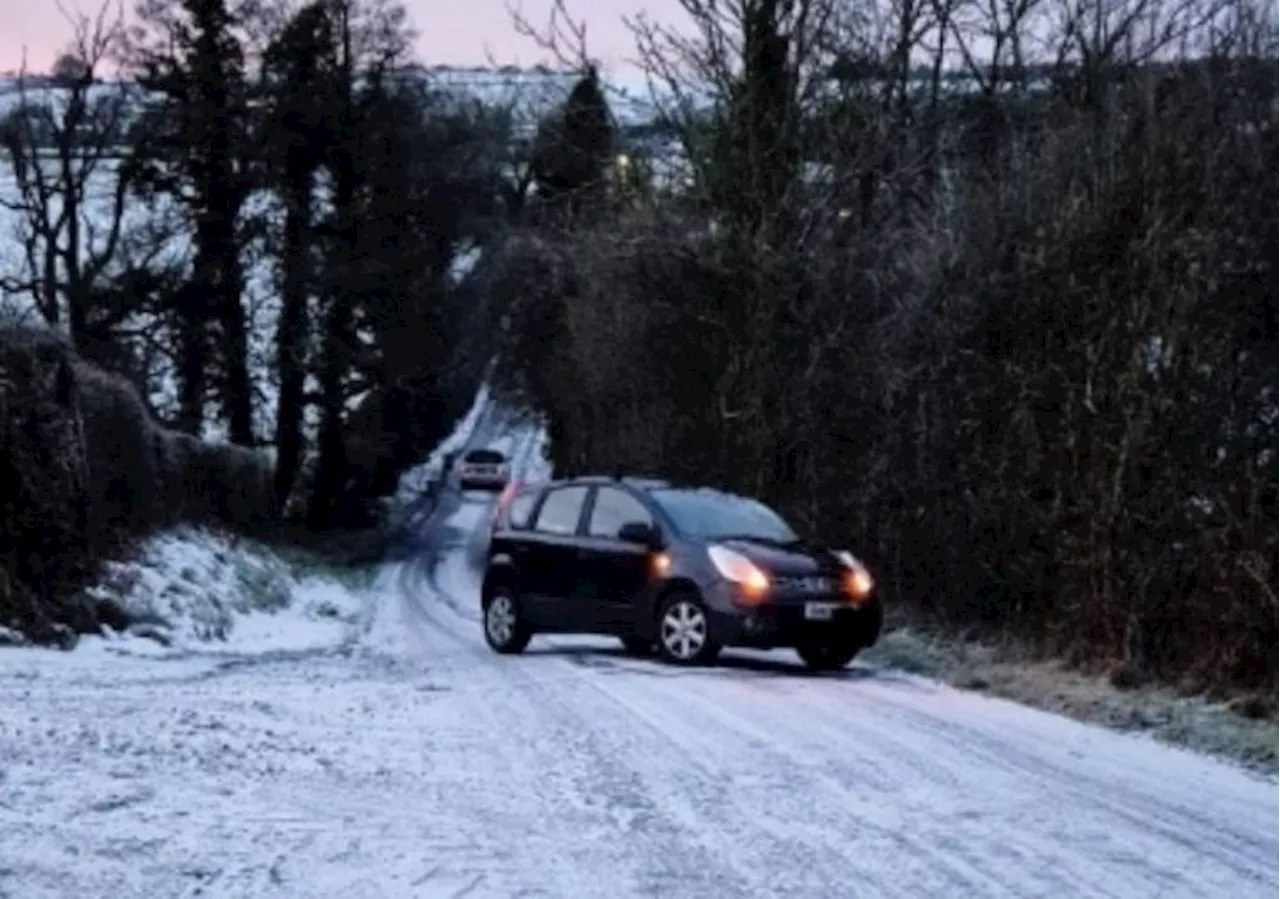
505 629
684 631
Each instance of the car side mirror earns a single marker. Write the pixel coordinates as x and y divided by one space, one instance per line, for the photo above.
641 533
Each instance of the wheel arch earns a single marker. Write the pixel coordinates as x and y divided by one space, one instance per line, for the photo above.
669 588
502 572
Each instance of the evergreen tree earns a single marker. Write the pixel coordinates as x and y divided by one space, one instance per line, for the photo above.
300 71
188 54
758 150
573 151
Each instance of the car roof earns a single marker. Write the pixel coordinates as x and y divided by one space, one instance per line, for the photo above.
640 483
600 480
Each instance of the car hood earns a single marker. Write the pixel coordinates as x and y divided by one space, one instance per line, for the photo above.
798 559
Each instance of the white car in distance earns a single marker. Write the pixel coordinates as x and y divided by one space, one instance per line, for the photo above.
483 469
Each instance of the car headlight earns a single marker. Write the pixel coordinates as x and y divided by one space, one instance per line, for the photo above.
858 581
735 567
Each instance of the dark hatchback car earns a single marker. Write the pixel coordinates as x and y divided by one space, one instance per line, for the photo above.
682 570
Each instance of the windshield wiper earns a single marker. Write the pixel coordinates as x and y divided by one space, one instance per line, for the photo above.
760 538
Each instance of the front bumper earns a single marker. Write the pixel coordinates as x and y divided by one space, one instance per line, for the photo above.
482 481
782 622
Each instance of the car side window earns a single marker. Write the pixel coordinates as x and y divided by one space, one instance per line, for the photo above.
612 510
561 510
518 513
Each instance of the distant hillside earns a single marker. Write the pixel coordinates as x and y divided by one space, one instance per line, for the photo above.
531 92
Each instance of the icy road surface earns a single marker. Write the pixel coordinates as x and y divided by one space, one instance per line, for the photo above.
410 761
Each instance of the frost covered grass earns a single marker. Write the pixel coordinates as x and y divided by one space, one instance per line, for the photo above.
191 589
1239 731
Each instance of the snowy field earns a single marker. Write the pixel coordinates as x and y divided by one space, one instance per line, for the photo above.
379 749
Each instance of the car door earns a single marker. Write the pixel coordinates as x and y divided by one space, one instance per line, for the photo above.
509 543
619 571
550 563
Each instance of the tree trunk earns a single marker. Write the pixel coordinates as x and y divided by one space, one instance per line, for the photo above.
332 464
236 386
340 291
291 336
331 468
193 350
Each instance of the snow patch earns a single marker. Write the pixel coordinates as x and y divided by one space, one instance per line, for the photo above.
192 588
414 481
537 462
465 263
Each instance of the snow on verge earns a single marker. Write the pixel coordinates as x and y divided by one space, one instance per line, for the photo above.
1194 722
536 465
197 589
416 479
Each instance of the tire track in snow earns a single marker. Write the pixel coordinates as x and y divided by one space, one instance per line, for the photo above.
570 766
672 847
800 784
590 728
679 819
961 874
1177 825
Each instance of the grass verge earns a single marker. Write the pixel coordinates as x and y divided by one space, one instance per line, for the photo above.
1241 730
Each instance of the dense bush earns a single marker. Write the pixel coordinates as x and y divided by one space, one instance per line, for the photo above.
84 470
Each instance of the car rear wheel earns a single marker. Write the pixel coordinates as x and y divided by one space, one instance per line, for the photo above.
828 653
505 630
636 646
684 631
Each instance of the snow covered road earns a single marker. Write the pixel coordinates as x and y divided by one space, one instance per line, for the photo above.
414 762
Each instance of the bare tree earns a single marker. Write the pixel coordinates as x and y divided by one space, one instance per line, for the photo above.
64 150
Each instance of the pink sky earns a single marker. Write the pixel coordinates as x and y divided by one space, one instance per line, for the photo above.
456 32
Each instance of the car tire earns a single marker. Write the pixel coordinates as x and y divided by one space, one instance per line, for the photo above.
505 629
684 630
637 646
828 653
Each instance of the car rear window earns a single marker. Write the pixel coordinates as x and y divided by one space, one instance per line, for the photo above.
561 511
485 457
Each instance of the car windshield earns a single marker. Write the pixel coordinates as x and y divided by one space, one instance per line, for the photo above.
485 457
712 515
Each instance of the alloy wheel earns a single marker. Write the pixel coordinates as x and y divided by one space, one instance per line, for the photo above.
500 620
684 630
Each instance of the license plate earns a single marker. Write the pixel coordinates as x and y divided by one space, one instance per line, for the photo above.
819 611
